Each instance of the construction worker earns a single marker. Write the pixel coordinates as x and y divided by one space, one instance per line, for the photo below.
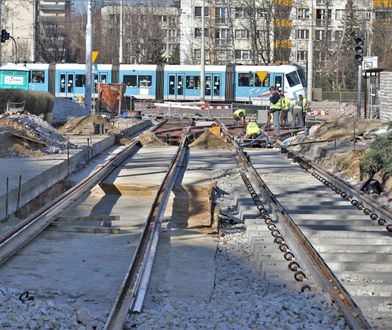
285 110
239 115
276 106
299 111
252 130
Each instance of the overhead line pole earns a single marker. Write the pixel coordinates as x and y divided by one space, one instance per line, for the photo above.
202 70
89 37
120 50
310 53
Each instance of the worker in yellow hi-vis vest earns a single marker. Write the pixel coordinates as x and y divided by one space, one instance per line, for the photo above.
285 110
252 130
239 115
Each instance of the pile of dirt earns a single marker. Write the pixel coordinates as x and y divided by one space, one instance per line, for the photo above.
209 140
149 139
16 146
86 124
32 129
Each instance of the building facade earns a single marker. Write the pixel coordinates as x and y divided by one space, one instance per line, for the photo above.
145 31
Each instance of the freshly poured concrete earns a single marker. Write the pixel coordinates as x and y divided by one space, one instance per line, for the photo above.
339 231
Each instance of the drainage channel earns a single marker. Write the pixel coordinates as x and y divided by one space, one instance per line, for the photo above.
342 251
68 252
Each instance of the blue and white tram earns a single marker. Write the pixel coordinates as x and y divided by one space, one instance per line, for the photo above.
223 83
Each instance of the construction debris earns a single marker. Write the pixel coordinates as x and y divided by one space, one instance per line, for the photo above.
150 139
27 135
209 140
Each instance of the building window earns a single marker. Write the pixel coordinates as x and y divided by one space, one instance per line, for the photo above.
198 11
198 33
338 35
241 34
339 14
220 14
303 34
302 55
241 13
303 13
242 54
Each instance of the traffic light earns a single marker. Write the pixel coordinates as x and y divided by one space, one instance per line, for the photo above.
4 35
359 50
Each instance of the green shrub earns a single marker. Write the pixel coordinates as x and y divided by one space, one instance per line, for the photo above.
36 102
379 157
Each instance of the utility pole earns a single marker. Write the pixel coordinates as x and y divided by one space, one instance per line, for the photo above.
120 50
310 53
89 39
33 31
202 73
1 25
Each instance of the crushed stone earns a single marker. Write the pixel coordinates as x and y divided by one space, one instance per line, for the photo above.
43 313
65 110
240 298
209 140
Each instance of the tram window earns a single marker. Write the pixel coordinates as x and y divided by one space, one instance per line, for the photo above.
245 80
193 82
103 78
38 77
302 76
80 80
265 83
145 81
130 80
293 78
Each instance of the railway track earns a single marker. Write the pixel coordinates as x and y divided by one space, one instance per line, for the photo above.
328 234
79 211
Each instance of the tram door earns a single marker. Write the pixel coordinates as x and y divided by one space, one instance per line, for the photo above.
278 81
176 87
67 83
212 88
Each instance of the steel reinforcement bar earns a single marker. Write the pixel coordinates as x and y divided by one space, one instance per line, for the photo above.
25 231
313 261
133 288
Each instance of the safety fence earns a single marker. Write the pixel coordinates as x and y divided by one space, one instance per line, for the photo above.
174 109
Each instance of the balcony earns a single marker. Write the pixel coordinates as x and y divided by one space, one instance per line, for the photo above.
52 8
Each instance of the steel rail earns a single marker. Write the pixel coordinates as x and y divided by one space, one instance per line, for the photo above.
129 291
315 263
367 201
25 231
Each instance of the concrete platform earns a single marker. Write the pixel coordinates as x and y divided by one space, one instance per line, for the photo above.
39 174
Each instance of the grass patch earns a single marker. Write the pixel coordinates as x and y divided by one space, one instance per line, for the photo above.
36 102
379 157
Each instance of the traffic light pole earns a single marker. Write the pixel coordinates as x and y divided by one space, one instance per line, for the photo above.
16 49
359 100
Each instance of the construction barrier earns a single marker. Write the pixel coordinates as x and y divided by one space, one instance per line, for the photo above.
175 109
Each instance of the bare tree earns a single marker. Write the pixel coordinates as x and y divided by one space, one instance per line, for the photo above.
382 35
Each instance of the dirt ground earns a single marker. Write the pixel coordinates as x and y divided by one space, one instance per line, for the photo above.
149 139
15 146
78 125
209 141
335 150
